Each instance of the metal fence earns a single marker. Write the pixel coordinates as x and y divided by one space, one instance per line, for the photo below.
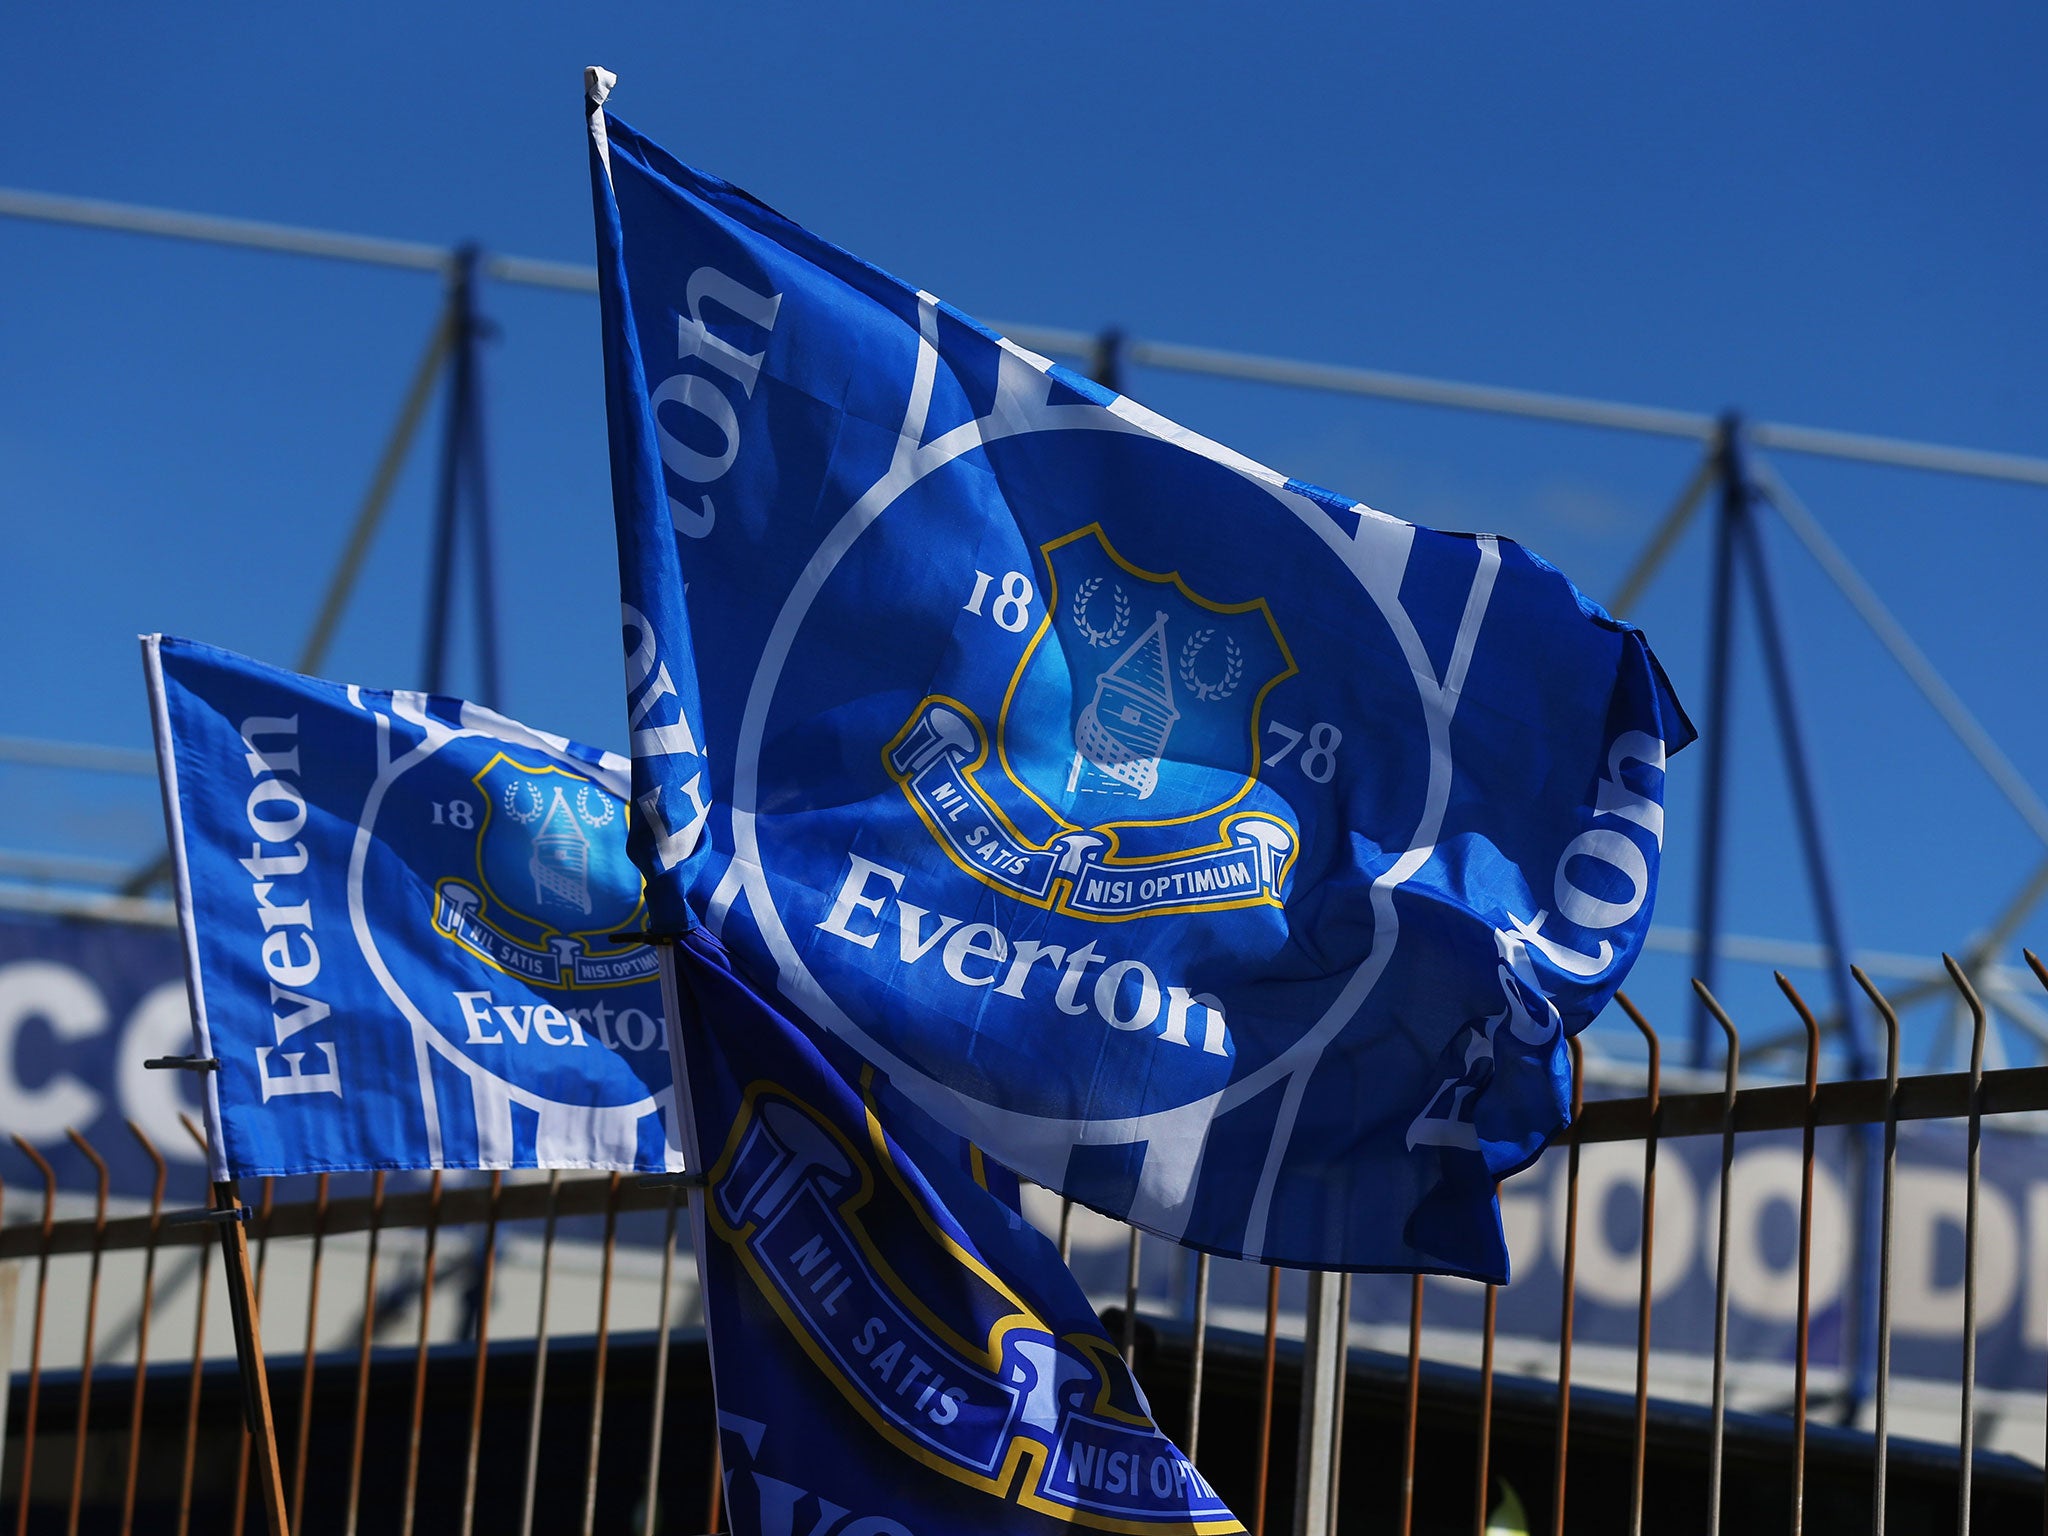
552 1215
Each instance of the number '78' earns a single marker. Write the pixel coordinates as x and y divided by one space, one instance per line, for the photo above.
1319 761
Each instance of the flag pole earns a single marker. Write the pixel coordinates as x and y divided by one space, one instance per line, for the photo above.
674 989
227 1211
232 1217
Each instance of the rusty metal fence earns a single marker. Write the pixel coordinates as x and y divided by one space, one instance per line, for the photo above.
70 1256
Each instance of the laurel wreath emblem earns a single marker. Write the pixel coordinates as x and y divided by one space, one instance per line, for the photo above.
1233 667
604 805
525 818
1121 621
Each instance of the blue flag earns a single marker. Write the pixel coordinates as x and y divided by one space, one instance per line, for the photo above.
891 1343
398 912
1213 848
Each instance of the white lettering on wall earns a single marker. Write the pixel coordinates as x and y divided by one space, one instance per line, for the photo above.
1611 1176
72 1009
1763 1282
1926 1301
70 1006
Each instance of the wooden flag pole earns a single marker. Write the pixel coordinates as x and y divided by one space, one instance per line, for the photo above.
234 1248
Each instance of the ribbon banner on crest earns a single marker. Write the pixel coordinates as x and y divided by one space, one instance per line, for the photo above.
398 913
1213 848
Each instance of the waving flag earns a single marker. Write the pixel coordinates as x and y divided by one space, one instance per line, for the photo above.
398 914
890 1342
1224 853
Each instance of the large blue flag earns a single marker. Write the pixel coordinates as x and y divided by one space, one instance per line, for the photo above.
891 1344
398 913
1220 851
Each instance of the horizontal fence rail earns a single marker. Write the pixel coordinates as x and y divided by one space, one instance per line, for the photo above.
466 1206
1785 1107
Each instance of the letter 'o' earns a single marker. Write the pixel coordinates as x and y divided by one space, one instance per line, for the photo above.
1617 851
1111 980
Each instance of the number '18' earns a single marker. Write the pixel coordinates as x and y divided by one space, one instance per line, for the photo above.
1012 608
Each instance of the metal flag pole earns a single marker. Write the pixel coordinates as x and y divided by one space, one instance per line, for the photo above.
231 1216
674 988
226 1211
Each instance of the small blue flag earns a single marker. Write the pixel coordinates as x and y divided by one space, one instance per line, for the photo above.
1215 849
398 913
892 1345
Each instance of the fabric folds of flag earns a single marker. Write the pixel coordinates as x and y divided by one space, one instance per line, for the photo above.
1213 848
398 913
891 1343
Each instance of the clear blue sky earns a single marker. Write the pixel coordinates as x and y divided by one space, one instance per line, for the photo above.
1830 216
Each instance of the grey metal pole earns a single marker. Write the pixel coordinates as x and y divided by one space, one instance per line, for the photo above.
1322 1369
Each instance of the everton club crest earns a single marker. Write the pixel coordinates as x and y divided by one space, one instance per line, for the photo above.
552 881
1113 777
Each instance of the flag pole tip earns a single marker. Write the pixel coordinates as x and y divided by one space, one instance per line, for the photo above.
597 84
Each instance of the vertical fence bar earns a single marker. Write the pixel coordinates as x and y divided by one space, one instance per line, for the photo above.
1066 1231
1881 1437
1569 1280
1131 1303
156 1211
2041 975
1717 1444
483 1354
302 1437
1197 1353
604 1326
203 1279
35 1347
1414 1408
1805 1326
1482 1476
661 1330
1265 1400
369 1333
92 1315
540 1358
1639 1448
1967 1451
419 1359
1343 1387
